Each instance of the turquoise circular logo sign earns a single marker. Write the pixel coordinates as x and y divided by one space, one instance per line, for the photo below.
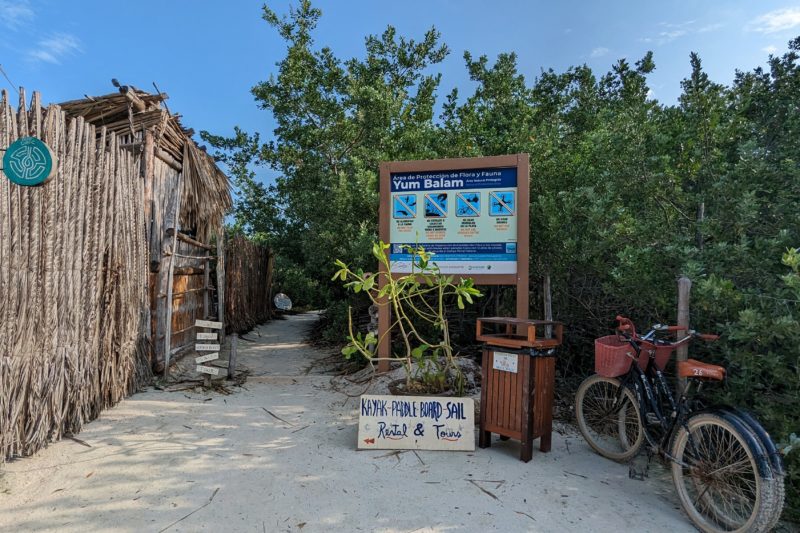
29 161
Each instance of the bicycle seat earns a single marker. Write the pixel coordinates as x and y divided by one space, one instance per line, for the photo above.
695 369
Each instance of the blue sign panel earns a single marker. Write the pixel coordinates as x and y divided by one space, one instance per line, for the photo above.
501 203
404 206
436 205
29 161
468 204
460 251
447 212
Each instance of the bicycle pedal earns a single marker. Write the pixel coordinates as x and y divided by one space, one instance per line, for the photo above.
652 419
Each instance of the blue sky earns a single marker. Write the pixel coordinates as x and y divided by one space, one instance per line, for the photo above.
207 55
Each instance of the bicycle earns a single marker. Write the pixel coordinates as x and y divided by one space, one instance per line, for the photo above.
726 469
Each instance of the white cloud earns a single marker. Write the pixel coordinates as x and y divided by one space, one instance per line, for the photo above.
54 48
600 51
679 25
675 30
710 27
669 36
777 20
771 49
664 37
14 14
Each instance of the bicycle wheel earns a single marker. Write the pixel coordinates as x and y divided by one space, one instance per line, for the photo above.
717 477
777 484
609 418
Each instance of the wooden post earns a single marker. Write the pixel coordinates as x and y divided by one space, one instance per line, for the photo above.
221 280
684 292
523 238
171 276
548 305
207 289
232 356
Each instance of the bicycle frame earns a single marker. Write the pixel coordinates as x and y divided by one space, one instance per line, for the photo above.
648 386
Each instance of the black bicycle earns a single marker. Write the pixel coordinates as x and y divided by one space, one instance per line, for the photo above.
727 470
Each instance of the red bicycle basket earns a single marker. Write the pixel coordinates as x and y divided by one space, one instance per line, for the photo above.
611 357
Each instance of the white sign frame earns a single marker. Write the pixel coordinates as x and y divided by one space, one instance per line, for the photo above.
207 324
208 357
211 370
505 362
416 423
206 347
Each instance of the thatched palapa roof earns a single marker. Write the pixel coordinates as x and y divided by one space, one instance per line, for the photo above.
129 113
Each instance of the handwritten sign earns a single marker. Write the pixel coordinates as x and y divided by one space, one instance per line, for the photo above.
206 336
506 362
206 347
416 423
214 371
208 357
207 324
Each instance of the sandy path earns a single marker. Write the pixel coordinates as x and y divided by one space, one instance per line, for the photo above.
232 466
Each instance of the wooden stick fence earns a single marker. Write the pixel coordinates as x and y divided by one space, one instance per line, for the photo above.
248 279
73 267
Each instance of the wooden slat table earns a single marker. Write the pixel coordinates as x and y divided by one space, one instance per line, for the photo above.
518 371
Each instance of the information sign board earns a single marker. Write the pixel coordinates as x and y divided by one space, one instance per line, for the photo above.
469 219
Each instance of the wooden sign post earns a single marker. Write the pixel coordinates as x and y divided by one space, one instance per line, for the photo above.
206 370
472 213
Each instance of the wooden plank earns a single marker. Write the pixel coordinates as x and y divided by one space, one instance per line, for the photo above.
206 347
484 435
221 278
526 453
545 369
232 356
207 357
171 279
208 324
416 423
189 240
202 336
207 287
208 370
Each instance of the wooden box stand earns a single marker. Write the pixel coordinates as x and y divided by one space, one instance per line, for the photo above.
518 371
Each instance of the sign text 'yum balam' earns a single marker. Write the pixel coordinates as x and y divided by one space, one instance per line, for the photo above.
416 423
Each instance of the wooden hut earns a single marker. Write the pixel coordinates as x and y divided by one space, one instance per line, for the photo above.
185 200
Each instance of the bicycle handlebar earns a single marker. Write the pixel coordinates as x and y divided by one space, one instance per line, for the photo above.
626 326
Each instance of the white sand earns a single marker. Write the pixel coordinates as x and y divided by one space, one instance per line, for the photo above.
159 456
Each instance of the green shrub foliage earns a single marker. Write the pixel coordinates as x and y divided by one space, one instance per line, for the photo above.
627 193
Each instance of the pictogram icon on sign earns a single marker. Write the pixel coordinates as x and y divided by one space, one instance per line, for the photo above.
436 205
404 206
501 203
468 204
